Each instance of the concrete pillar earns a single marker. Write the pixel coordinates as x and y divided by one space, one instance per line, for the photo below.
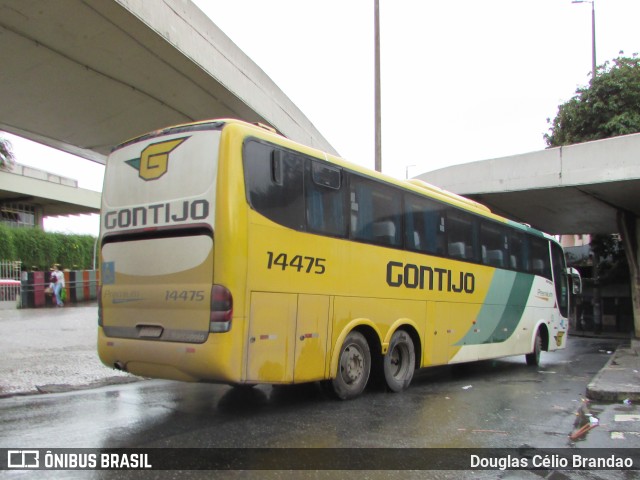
629 226
38 217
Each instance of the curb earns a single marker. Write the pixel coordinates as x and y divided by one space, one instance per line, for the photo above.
65 387
611 391
595 392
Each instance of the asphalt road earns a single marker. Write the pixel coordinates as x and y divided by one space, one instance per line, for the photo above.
489 404
499 403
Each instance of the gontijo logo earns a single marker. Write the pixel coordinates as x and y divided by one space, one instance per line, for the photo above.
154 159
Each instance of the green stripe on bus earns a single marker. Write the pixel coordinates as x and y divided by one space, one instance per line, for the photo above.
502 309
515 307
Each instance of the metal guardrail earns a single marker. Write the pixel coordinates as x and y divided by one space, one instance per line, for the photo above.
10 275
68 285
24 288
27 289
9 292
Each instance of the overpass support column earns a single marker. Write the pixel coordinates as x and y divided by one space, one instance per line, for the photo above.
629 227
38 217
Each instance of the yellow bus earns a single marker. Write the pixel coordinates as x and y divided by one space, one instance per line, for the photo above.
231 254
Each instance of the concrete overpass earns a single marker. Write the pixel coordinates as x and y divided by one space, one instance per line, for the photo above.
592 187
26 190
573 189
84 75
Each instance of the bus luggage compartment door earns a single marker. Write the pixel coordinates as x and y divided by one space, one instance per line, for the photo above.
270 350
287 337
311 338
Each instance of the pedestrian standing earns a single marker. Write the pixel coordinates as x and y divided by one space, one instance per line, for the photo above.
57 284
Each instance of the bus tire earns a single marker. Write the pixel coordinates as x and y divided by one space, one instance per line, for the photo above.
399 362
354 367
533 358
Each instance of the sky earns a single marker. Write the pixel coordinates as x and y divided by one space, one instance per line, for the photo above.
461 81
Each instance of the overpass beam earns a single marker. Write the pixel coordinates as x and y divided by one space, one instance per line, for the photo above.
629 227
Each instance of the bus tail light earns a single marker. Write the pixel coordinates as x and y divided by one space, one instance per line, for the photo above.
221 309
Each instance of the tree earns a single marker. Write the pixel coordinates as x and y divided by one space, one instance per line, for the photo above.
608 107
7 157
37 248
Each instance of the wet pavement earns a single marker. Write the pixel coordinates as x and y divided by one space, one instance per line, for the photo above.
50 350
54 349
491 404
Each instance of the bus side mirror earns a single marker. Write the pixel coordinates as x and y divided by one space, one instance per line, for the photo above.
576 280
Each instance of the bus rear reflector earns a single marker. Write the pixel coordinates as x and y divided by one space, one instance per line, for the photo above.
221 309
100 322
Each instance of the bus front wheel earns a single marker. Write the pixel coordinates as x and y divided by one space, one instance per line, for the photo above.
399 362
533 358
354 366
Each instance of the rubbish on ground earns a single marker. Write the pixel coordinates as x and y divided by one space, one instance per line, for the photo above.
581 431
626 401
617 435
490 431
467 387
482 430
585 421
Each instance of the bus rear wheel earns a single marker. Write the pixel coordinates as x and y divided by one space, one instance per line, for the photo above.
533 358
400 361
354 366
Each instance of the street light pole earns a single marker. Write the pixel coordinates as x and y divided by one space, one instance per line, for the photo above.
378 123
593 34
593 38
406 171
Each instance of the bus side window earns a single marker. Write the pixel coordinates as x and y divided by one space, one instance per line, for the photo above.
324 199
495 245
274 183
517 252
461 229
539 254
412 240
375 216
560 279
424 225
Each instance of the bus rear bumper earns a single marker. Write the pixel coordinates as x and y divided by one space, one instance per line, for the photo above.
209 361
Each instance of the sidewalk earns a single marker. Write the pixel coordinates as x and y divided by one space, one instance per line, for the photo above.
47 350
51 350
619 379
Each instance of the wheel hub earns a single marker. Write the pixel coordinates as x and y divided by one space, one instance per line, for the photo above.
352 364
